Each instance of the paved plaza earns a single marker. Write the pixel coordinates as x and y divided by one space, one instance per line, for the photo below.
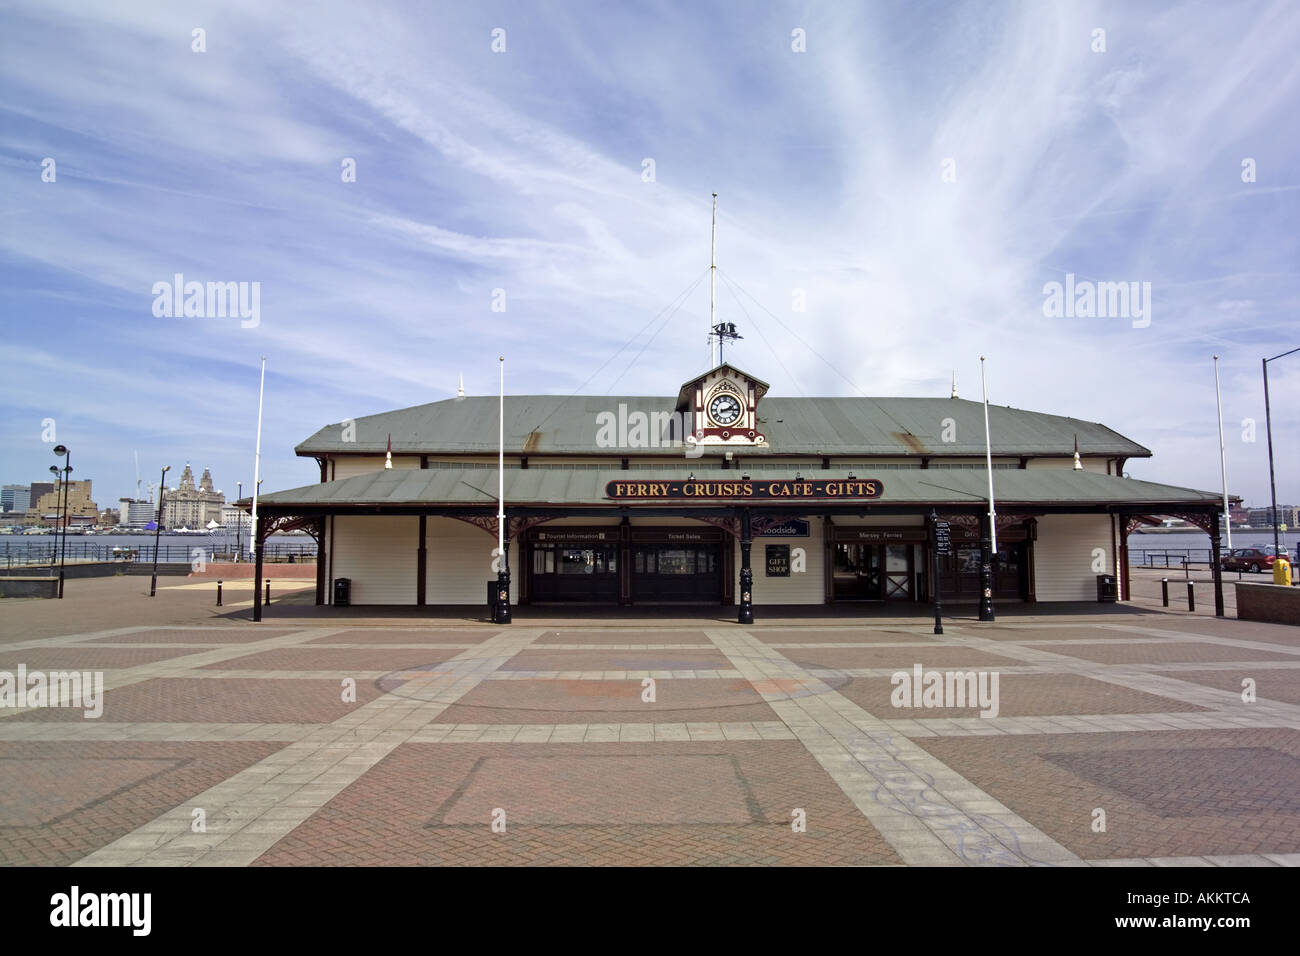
1123 736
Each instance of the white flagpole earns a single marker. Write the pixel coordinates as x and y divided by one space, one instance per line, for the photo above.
501 468
713 280
988 455
1223 457
257 464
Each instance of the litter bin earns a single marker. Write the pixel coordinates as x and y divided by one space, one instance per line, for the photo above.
1105 589
342 592
1282 572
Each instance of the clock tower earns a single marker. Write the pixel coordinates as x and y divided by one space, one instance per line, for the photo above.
722 407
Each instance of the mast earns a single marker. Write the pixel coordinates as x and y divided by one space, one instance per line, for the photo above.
713 283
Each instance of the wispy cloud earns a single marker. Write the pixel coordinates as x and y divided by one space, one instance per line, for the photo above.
523 171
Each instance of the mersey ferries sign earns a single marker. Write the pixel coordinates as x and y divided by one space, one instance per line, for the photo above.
762 490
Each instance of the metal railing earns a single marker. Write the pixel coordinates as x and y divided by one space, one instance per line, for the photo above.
43 553
1168 557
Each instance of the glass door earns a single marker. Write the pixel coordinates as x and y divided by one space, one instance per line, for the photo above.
898 572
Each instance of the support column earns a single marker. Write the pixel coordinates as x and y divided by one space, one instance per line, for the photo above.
1214 564
986 569
258 530
625 562
503 580
828 560
421 564
320 558
1124 587
746 615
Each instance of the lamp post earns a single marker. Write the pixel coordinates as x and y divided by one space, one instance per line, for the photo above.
65 453
1268 427
239 521
157 528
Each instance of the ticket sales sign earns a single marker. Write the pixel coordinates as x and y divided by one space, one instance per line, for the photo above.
823 489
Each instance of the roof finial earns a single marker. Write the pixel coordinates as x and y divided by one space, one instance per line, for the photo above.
460 389
388 458
954 383
1078 465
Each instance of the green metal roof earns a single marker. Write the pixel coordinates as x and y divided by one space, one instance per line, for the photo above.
413 488
560 425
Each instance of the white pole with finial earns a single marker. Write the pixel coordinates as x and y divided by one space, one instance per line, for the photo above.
501 467
988 456
954 383
257 463
460 388
713 284
1223 457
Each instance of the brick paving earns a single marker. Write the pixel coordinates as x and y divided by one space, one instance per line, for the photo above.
61 801
597 659
1136 712
182 700
1024 695
581 701
1126 653
337 658
1175 794
591 804
1270 684
624 636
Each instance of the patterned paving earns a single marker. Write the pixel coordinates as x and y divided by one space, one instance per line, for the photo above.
462 743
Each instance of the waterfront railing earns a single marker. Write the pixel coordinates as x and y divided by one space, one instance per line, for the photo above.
78 552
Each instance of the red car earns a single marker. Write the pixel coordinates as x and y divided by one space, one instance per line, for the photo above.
1256 559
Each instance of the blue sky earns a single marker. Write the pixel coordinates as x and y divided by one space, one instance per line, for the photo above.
523 170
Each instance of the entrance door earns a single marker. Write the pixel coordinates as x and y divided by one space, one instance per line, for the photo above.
858 575
680 574
562 573
960 572
898 572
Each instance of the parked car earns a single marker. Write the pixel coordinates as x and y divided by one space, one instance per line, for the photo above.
1257 559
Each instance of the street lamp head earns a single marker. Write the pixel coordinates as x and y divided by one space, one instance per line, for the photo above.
166 468
54 469
60 450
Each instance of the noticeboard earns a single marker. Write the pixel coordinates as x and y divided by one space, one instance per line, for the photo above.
942 538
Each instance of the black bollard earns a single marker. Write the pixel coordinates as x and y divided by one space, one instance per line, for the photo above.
218 593
268 593
1191 595
1164 591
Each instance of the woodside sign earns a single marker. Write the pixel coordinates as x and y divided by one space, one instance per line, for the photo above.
822 489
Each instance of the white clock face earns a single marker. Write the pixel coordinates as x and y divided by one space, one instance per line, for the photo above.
724 409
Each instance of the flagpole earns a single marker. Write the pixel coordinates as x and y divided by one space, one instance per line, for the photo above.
713 280
502 604
501 462
1223 456
987 556
988 457
257 462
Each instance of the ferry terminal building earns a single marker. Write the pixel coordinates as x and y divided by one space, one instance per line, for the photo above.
647 501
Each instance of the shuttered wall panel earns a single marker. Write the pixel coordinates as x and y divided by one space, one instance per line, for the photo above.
459 563
805 587
378 554
1063 556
